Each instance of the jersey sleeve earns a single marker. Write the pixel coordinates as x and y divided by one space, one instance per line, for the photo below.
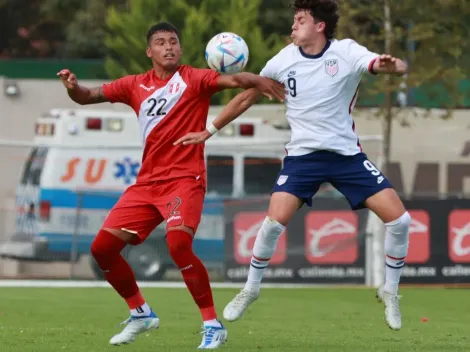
362 59
271 69
119 91
204 81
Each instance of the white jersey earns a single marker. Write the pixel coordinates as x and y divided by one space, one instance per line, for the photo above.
322 90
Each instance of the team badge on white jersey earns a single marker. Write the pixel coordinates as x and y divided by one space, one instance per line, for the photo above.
331 67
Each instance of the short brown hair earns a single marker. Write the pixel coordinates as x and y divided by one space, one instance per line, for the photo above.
322 11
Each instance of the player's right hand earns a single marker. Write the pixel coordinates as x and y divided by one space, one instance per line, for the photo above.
271 89
68 79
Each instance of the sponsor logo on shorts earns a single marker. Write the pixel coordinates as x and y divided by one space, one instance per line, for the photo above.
174 218
245 228
331 237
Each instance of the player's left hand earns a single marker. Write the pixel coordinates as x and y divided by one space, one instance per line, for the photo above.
271 89
194 138
389 64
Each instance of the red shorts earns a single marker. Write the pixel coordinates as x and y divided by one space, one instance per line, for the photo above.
143 206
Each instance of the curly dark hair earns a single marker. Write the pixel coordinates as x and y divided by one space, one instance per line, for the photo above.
322 11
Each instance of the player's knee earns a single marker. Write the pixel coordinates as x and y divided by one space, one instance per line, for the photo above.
283 206
105 245
271 229
400 225
397 236
178 242
96 249
267 237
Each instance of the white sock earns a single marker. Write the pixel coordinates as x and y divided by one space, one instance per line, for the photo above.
396 248
213 322
263 250
141 311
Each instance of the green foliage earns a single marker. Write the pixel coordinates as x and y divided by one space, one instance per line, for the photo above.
432 38
86 33
81 23
198 21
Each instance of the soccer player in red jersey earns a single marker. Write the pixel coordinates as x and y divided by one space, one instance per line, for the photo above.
170 100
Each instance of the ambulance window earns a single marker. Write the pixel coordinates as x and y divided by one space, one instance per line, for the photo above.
219 175
34 165
260 174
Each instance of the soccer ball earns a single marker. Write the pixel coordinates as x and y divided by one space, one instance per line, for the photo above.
227 53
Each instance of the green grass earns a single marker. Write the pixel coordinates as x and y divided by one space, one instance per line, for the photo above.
52 320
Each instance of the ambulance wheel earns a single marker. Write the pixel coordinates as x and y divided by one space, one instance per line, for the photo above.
147 262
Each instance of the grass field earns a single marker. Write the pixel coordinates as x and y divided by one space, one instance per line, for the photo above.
83 319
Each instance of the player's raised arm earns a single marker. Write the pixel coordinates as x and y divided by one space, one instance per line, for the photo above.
363 60
79 94
389 64
232 110
246 80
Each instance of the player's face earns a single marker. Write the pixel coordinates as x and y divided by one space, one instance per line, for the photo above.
304 29
164 49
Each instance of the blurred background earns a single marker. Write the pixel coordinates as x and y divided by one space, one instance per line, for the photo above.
65 165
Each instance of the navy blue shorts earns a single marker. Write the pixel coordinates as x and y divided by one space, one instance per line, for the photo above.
354 176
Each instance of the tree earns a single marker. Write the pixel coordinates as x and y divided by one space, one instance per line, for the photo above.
198 21
24 32
81 25
275 17
431 38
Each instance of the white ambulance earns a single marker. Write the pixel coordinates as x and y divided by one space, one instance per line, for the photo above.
82 160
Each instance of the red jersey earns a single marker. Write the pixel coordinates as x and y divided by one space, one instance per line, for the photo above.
167 110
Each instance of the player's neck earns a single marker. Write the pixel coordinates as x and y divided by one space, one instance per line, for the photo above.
314 48
163 74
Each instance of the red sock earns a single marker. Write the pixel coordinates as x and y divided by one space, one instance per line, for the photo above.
106 249
194 273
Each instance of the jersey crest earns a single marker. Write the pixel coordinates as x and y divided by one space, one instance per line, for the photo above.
331 67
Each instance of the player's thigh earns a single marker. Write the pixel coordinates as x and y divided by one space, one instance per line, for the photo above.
282 206
364 185
386 204
133 217
181 206
296 184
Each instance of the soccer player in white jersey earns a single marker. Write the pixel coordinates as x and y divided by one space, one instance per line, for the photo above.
322 76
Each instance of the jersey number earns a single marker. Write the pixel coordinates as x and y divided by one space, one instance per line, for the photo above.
370 167
173 206
292 84
161 105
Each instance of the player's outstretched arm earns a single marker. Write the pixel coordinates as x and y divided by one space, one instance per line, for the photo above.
79 94
232 110
246 80
389 64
